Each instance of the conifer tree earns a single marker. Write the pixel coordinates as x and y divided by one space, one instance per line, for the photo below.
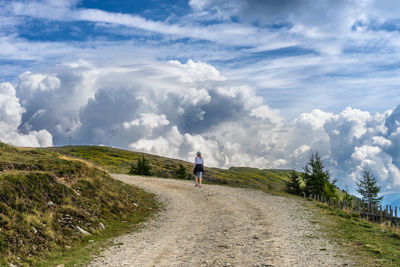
180 172
316 178
293 186
368 188
142 167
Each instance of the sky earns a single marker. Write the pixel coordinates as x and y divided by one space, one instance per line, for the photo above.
259 83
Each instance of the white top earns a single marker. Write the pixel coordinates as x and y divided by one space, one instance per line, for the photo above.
198 160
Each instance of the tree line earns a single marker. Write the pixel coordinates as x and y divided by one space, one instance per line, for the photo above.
316 180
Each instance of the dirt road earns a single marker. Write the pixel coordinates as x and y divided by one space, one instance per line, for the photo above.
222 226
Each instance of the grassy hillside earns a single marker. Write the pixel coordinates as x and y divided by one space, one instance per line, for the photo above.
45 197
119 161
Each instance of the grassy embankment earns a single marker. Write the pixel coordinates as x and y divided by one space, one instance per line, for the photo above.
45 197
371 244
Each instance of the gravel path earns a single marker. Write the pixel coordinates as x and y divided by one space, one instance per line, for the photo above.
221 226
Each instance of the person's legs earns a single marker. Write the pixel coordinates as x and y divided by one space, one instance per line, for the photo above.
196 180
200 177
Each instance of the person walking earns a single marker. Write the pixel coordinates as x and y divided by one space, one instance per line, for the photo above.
198 169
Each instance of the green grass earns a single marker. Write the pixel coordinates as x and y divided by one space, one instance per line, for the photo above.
371 244
119 160
44 196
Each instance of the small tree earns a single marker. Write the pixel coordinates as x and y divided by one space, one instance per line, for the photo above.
293 186
347 196
142 167
368 188
180 172
330 188
316 178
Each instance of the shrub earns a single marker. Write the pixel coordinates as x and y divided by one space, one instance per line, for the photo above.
293 186
180 172
142 167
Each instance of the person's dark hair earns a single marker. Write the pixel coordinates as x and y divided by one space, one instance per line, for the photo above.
198 154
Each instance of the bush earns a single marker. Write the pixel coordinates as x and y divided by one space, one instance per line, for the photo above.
180 172
347 197
142 167
293 186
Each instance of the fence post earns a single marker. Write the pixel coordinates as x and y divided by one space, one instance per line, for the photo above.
331 201
395 215
338 200
363 211
381 213
391 216
387 214
369 211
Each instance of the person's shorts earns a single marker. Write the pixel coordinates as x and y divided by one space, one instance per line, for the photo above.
198 170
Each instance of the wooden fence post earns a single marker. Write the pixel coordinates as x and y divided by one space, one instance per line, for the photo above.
338 203
331 201
363 211
387 214
369 211
395 215
381 213
391 216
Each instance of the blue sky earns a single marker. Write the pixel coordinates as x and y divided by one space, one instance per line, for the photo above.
174 77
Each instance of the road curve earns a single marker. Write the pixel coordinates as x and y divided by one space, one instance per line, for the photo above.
221 226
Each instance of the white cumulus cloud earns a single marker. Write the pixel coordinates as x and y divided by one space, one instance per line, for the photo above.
11 113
